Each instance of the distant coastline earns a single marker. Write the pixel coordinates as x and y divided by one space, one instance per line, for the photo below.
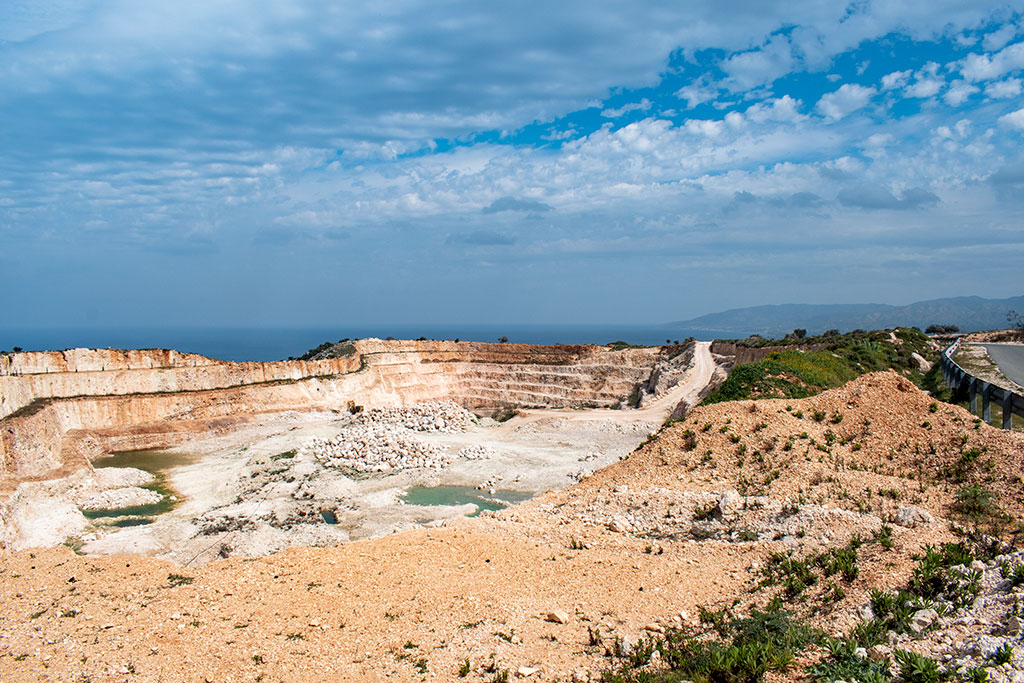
268 344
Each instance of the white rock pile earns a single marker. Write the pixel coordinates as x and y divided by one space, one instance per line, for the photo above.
114 499
446 417
376 448
379 440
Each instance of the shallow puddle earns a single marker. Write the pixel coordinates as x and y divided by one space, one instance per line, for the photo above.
461 495
152 461
131 521
156 463
328 516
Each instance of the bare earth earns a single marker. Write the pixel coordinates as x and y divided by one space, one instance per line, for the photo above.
625 550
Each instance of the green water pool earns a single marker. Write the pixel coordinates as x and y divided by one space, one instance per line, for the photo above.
461 495
155 462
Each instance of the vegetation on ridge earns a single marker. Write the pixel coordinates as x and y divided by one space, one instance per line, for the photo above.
344 348
835 360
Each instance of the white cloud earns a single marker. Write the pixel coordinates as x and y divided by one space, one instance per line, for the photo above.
642 105
895 80
784 108
763 65
566 134
1013 119
983 67
735 120
843 102
999 37
706 128
696 94
958 93
1001 90
923 88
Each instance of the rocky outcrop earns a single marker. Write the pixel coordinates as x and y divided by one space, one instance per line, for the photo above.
751 354
60 409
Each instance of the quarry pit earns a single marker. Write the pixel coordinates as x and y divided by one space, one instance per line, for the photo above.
220 459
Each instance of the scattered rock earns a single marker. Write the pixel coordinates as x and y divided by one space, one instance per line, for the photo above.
558 616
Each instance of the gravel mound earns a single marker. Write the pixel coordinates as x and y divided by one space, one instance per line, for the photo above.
379 440
446 417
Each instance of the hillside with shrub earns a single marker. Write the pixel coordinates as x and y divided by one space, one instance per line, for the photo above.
799 372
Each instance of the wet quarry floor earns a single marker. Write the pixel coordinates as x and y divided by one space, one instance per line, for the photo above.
260 489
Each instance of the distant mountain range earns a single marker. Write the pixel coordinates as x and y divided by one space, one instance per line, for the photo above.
969 313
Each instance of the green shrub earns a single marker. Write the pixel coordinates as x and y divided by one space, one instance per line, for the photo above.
745 649
975 502
1002 655
843 664
915 668
1014 572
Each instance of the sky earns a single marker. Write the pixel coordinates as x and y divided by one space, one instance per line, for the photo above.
262 163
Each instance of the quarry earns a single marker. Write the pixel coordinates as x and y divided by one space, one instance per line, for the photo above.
423 510
257 457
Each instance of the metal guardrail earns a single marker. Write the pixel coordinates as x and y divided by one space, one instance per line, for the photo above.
962 383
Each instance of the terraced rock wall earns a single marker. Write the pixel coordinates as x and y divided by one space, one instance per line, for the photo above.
61 409
27 377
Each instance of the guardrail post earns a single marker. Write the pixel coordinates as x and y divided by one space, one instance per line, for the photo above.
1008 410
972 389
986 406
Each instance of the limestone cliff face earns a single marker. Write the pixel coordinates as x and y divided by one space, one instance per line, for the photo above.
61 409
26 377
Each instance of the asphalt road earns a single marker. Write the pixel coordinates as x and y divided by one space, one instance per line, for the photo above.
1009 358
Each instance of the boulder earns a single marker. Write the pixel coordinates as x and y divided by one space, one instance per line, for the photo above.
558 616
878 653
919 361
619 524
731 503
910 516
922 619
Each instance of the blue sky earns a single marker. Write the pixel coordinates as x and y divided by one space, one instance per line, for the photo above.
295 163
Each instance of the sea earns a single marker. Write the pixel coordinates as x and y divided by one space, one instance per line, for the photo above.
281 343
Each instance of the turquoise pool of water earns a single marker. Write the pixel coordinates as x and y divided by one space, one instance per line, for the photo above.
461 495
